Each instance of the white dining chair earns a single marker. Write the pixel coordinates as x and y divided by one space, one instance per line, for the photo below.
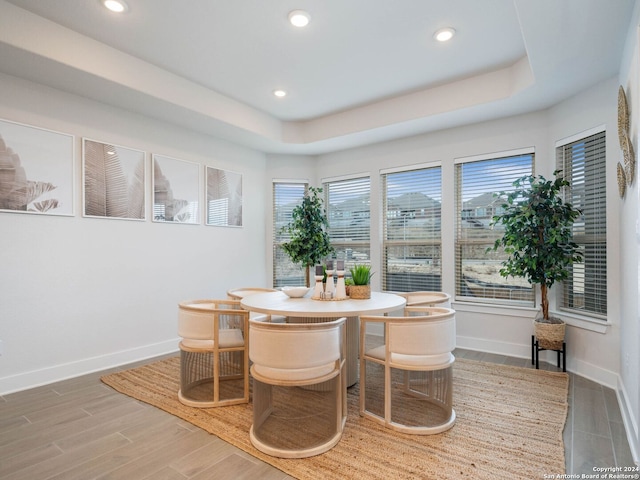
240 293
406 376
427 299
214 358
299 386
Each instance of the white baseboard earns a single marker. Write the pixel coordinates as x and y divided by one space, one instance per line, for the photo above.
492 346
55 373
579 367
630 422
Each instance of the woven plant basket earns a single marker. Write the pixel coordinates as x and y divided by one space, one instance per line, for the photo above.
550 335
360 292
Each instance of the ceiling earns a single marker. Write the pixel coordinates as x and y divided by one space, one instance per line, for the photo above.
362 71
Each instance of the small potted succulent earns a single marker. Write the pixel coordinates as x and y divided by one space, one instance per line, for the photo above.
361 276
348 283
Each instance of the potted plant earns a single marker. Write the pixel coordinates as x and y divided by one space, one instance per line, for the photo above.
538 239
309 240
361 277
348 283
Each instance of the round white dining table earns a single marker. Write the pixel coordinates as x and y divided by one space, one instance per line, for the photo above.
310 310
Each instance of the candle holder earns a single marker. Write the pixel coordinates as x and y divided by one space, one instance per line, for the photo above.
330 287
318 291
341 289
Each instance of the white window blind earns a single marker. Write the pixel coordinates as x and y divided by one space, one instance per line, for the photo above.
478 271
411 230
349 215
583 164
286 196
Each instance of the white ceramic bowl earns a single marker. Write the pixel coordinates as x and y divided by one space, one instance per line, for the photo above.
295 292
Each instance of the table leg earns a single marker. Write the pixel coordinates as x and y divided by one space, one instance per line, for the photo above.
353 350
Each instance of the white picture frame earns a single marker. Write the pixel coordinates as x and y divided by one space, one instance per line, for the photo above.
36 170
114 181
176 190
224 197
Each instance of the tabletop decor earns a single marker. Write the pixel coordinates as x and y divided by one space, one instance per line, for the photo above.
295 292
325 286
341 290
318 290
330 285
361 276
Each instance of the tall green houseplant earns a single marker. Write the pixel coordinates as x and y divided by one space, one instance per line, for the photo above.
309 239
537 234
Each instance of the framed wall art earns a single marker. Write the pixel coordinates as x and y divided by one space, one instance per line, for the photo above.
114 181
36 170
176 190
224 198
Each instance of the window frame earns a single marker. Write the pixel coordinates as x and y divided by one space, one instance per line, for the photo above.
390 243
459 242
341 245
560 292
276 241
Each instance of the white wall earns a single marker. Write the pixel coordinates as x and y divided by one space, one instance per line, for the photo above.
629 216
81 294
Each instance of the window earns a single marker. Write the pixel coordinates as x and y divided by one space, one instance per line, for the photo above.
583 163
411 230
285 198
478 181
349 215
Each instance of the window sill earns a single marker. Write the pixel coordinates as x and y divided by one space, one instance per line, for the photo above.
503 310
585 323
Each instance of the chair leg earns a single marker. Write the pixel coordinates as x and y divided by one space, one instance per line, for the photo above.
363 384
387 394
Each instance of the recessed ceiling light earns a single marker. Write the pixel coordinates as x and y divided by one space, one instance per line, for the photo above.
118 6
299 18
280 93
444 34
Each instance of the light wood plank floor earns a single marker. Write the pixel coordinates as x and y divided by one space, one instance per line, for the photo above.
82 429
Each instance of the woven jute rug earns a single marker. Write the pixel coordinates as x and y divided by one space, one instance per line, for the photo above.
509 426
